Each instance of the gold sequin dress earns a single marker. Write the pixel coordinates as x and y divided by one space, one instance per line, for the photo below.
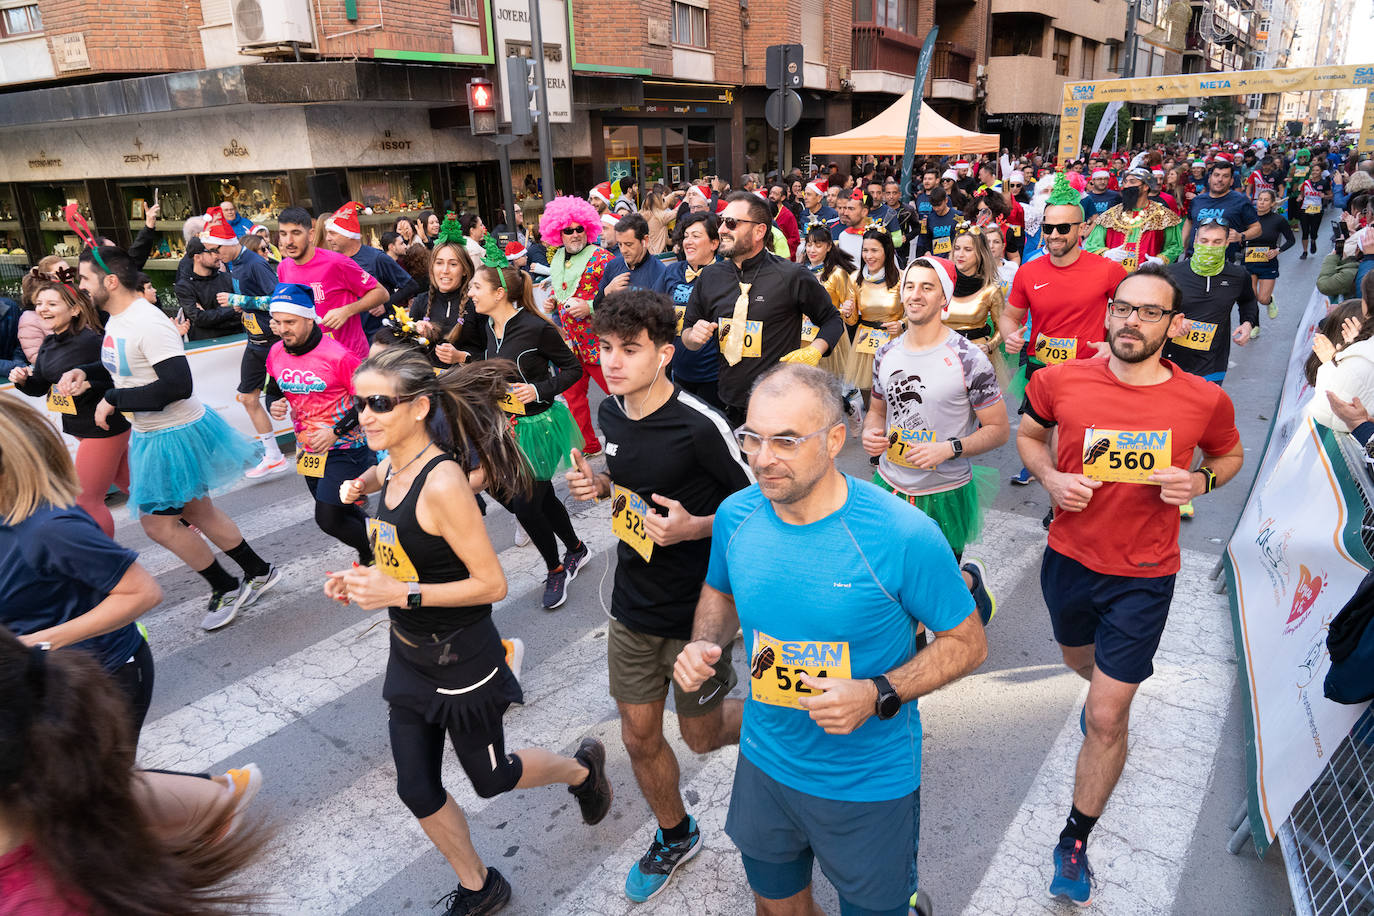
970 316
877 304
840 286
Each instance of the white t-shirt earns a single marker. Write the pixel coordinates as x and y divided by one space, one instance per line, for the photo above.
136 340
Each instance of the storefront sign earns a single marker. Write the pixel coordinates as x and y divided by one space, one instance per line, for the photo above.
660 32
140 157
512 23
388 142
70 52
234 151
43 162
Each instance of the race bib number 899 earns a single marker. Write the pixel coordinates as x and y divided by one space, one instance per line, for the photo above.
775 670
1126 456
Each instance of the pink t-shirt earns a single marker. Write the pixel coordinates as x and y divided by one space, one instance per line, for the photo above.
28 889
319 387
337 281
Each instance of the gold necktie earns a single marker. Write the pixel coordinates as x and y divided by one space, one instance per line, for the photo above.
734 340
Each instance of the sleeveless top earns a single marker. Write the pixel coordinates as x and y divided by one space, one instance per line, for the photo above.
407 552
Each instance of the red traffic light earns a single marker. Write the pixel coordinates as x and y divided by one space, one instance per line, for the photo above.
481 95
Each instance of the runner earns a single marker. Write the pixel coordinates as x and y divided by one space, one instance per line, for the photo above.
1262 252
1312 195
1221 202
670 461
818 212
437 575
855 223
342 233
1138 230
445 313
938 235
830 749
875 312
73 340
1127 425
694 371
313 375
539 367
1100 197
1211 288
977 300
633 267
763 295
179 452
835 270
343 290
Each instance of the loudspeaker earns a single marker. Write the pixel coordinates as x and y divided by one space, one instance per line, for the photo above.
328 192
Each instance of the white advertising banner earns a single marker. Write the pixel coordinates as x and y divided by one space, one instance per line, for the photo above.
512 23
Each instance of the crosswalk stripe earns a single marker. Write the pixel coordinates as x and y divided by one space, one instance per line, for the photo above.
1140 846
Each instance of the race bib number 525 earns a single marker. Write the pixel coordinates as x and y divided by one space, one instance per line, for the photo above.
775 670
1126 456
628 511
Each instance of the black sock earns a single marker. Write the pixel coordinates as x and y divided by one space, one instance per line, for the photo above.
1078 826
251 564
680 832
220 581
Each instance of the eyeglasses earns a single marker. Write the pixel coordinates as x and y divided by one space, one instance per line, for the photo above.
380 403
574 230
1150 314
732 222
1058 228
782 446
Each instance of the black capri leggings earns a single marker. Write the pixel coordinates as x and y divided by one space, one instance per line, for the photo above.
417 747
135 680
1311 224
543 515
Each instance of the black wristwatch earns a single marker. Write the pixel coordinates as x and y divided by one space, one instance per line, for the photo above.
888 702
413 596
958 447
1209 479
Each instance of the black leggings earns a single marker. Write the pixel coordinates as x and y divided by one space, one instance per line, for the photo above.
135 680
417 747
347 524
1311 224
543 515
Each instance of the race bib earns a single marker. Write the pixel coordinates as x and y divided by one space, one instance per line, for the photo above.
900 442
1312 203
681 312
1197 335
250 324
809 331
1054 350
389 556
60 403
1129 264
309 464
942 246
775 670
867 340
511 404
1125 456
1257 255
753 336
628 511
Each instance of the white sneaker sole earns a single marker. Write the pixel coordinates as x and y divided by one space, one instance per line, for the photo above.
517 656
209 627
251 594
257 473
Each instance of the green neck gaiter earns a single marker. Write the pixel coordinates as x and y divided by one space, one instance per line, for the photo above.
1208 260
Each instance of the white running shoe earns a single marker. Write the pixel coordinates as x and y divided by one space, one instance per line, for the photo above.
251 589
522 538
266 466
223 607
515 655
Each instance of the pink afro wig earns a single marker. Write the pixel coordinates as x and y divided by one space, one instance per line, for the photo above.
1079 183
568 211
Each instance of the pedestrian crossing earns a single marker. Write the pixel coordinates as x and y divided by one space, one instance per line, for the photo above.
314 718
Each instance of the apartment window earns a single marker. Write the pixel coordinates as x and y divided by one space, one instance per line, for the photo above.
463 9
1017 34
20 20
689 25
863 10
1063 41
1113 57
1089 68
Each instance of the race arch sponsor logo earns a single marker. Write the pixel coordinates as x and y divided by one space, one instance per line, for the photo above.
300 381
1083 93
1364 76
1304 597
1071 111
1214 84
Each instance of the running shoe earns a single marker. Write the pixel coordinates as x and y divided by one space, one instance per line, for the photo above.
595 794
1049 517
1273 311
1073 878
1185 511
1303 256
515 655
252 589
522 537
920 905
223 608
493 896
1021 478
652 873
1254 332
244 783
556 589
266 466
573 560
982 598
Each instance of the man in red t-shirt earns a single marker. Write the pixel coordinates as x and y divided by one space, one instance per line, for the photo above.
1127 430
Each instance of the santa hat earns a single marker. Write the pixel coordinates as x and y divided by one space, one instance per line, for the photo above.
1016 177
603 191
1224 157
214 213
293 299
818 186
944 270
345 221
1200 163
1101 173
950 174
515 251
218 232
961 164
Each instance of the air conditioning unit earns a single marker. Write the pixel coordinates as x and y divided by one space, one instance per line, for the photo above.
264 23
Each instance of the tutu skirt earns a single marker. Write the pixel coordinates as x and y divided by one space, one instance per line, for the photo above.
169 468
958 513
546 438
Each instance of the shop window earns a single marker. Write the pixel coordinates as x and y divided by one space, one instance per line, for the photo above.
13 257
173 197
21 20
1088 69
1063 42
258 197
464 9
689 25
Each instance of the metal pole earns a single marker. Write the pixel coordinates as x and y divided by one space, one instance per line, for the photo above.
541 96
781 139
507 193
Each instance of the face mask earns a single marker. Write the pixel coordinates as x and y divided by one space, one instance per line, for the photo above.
1130 197
1208 260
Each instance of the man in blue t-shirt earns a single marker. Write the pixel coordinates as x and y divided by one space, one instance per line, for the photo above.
1222 204
830 749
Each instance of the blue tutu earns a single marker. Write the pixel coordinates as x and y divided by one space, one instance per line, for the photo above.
169 468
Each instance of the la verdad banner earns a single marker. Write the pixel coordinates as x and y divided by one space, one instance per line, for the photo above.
1293 560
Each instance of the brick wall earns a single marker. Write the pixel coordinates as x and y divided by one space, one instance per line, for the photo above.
407 25
147 36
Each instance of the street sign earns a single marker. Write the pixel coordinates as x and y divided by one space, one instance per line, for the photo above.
784 66
783 109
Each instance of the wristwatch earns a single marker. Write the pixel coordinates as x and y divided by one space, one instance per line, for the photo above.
413 596
958 447
1209 479
888 702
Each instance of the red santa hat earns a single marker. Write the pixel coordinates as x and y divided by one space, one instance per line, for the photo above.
345 221
218 232
1224 157
944 270
603 191
818 186
961 164
515 251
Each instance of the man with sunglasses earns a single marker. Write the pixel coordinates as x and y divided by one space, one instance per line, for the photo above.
1127 429
755 301
830 749
575 275
1228 207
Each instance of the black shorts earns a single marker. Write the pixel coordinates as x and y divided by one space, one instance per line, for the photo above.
1122 617
253 369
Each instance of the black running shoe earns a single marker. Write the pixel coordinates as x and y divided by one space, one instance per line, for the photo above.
492 898
555 589
573 560
594 795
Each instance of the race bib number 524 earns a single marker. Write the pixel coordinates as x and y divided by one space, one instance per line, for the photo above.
777 667
1126 456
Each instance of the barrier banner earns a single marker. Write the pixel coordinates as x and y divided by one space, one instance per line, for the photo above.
1293 560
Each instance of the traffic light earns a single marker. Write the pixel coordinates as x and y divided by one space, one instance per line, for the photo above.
482 106
520 92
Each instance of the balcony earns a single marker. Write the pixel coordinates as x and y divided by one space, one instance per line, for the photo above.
952 71
1023 84
879 48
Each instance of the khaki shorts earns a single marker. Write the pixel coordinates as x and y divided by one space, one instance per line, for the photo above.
641 668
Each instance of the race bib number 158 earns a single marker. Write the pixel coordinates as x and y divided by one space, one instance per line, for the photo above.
775 670
1126 456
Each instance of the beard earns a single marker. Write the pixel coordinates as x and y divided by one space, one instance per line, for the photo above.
1132 346
1130 198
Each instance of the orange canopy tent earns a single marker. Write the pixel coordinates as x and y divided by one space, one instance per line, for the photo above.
885 135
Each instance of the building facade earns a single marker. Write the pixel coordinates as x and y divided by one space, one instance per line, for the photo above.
1320 33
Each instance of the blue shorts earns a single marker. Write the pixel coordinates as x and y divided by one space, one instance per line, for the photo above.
341 464
1122 617
1217 377
866 849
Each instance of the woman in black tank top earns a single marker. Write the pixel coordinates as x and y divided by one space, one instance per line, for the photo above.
437 574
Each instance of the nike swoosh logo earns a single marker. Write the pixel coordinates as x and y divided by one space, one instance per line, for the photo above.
702 701
1039 285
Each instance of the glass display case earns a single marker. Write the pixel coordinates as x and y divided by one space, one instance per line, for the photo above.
174 197
464 183
258 197
388 193
58 238
11 238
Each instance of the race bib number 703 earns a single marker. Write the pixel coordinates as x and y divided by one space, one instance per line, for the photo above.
776 669
1126 456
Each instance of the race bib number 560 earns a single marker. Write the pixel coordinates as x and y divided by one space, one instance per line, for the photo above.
775 670
1126 456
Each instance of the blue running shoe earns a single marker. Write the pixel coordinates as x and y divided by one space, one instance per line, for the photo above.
1021 478
982 598
652 873
1073 879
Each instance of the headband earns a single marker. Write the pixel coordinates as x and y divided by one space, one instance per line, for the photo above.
83 232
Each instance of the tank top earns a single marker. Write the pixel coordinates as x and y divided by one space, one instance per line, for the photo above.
405 551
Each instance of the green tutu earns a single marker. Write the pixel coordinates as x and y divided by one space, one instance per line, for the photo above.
546 439
958 513
1016 387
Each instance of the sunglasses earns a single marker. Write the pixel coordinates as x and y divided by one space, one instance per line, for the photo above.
1215 221
732 222
380 403
574 230
1058 228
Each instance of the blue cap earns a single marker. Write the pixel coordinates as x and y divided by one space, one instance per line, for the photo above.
294 299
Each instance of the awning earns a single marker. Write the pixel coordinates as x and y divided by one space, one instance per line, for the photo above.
885 135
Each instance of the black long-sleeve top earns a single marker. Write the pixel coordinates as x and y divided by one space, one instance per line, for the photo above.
541 357
444 310
60 353
1273 226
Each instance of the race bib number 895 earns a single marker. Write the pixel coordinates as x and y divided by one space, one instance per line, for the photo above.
1126 456
775 670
